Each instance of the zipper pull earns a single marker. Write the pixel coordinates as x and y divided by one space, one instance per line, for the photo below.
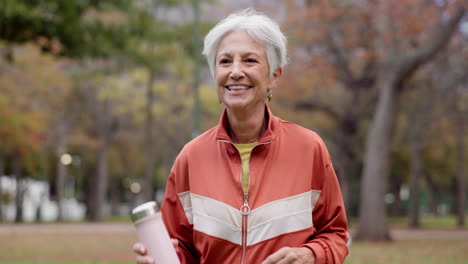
245 209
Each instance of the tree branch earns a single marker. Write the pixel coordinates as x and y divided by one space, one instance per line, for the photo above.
408 64
341 62
369 74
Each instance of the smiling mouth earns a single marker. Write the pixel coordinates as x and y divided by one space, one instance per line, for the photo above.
237 87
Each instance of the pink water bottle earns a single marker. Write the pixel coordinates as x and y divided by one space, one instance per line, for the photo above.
153 233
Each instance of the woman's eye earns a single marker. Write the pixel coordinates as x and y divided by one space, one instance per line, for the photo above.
250 60
224 61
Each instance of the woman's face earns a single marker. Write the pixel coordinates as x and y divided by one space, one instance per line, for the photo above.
242 72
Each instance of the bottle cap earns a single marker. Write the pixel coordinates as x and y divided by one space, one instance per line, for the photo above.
143 210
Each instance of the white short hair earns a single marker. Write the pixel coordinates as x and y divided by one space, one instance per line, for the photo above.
259 27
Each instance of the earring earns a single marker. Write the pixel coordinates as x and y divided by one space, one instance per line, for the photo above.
269 95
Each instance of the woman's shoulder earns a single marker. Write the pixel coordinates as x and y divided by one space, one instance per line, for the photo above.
303 138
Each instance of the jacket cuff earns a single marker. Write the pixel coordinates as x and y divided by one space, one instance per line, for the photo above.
319 252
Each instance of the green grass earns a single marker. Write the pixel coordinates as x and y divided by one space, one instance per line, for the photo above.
409 251
416 249
437 222
118 219
426 222
68 243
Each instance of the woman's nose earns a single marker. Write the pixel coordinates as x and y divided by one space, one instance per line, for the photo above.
236 71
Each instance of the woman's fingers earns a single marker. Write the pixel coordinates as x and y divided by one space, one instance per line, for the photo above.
144 259
141 252
175 242
139 249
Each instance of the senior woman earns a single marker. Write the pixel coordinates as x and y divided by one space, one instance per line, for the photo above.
254 188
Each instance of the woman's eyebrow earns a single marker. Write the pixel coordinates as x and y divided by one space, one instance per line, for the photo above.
225 54
243 55
247 54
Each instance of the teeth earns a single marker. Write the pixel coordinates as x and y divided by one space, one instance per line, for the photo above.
238 87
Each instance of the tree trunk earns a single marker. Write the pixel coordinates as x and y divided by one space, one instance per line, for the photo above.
342 172
397 207
148 188
115 196
60 181
1 200
17 171
100 184
61 169
345 159
432 196
2 162
2 173
106 127
372 217
416 171
460 172
89 183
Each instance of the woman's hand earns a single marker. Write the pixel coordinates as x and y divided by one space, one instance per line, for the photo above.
294 255
142 253
142 257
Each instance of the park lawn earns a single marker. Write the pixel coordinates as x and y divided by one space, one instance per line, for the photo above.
70 246
116 250
111 243
409 251
426 222
431 222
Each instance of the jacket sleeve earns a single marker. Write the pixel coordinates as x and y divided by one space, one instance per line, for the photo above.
175 218
329 218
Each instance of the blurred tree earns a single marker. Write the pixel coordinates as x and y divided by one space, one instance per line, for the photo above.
103 97
427 104
459 122
458 94
397 69
450 74
116 31
420 99
156 43
333 71
398 178
362 58
29 97
70 28
125 97
153 47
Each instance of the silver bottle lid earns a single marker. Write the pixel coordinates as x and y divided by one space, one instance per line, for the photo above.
143 210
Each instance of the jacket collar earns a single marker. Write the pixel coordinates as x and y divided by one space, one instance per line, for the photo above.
269 135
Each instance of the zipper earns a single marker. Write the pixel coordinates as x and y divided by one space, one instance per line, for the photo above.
245 208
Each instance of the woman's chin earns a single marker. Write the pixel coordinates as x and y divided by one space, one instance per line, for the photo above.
236 104
243 105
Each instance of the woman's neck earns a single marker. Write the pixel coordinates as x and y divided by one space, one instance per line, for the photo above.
247 128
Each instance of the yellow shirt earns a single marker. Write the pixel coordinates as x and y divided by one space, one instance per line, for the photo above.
245 150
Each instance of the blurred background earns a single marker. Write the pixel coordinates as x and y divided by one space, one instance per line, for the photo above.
97 97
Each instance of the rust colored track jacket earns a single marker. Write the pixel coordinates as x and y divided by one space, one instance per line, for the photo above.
293 200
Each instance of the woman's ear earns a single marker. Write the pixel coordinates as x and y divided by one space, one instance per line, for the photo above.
275 77
277 73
